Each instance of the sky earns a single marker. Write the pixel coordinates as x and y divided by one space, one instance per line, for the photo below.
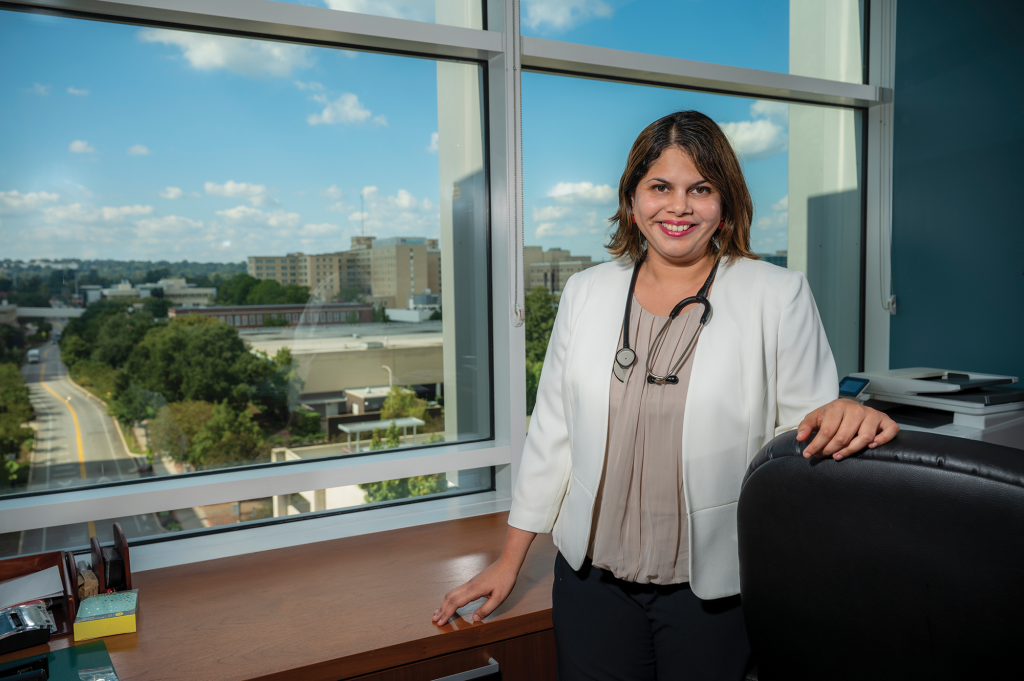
147 144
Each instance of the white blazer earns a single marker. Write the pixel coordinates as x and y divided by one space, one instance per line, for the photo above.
761 364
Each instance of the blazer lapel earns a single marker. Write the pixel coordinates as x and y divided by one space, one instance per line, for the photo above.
589 369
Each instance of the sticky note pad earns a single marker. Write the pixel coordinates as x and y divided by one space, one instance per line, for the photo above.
106 615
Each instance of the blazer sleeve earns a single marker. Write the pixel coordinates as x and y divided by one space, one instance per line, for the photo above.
546 464
806 371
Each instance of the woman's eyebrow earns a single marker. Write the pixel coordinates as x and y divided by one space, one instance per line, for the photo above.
658 180
699 182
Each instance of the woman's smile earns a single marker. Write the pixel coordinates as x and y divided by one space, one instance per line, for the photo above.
676 228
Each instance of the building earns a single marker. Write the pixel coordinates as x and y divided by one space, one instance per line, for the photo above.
391 272
175 289
260 316
780 258
8 313
552 268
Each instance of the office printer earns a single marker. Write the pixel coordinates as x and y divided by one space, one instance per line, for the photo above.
966 404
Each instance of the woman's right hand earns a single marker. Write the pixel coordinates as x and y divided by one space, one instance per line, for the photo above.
495 582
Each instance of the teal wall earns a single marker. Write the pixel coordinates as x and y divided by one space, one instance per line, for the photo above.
958 186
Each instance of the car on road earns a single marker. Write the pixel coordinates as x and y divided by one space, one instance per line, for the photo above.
33 356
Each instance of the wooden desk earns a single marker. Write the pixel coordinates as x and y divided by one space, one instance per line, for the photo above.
358 607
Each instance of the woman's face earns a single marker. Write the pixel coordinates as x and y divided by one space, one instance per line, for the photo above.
676 209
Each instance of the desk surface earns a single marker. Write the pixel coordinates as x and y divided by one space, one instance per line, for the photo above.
325 611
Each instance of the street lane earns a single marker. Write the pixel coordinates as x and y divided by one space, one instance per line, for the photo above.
76 444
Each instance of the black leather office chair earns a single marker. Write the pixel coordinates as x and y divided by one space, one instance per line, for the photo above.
902 562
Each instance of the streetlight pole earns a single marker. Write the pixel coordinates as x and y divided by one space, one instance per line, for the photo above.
391 377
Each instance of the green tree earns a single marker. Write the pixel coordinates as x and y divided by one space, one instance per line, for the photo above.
375 442
304 423
131 406
392 437
435 316
380 314
73 349
12 344
119 335
176 425
235 290
541 308
157 307
15 409
401 403
404 488
350 294
197 358
227 433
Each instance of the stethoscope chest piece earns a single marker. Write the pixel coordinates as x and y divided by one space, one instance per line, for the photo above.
624 359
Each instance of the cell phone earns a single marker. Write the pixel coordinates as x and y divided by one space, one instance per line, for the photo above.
851 387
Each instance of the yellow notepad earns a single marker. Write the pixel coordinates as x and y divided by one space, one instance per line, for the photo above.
106 615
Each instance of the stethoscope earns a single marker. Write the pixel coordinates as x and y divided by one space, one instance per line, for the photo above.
625 357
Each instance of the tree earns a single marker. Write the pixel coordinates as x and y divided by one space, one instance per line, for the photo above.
393 438
224 435
197 358
435 316
541 308
350 294
15 409
380 314
390 490
119 335
401 403
235 290
73 349
131 406
375 442
12 344
176 425
157 307
304 423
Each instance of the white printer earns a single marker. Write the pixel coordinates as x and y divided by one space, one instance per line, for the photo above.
967 404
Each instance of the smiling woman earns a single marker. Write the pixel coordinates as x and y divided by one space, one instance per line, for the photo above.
227 216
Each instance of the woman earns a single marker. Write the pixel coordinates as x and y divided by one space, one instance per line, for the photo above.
639 440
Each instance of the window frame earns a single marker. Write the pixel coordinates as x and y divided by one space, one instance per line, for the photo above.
503 53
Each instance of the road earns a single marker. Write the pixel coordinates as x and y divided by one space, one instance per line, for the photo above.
76 444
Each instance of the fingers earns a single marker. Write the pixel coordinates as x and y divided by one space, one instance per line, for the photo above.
831 419
865 435
488 607
454 600
808 425
888 430
854 424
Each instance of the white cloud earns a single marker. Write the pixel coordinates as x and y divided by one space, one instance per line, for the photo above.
159 228
345 109
418 10
240 55
776 112
582 192
80 147
322 229
16 202
77 92
172 193
333 193
400 212
565 221
432 147
38 89
770 232
138 150
314 86
763 137
255 216
549 213
562 15
256 194
80 212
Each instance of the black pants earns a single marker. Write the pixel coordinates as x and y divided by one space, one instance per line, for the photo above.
609 629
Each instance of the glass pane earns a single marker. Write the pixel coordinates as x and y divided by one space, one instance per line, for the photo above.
463 13
219 246
802 164
803 37
190 521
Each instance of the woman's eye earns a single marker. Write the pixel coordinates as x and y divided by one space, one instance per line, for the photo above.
702 190
661 187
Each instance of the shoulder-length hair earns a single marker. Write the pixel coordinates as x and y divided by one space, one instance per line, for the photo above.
709 149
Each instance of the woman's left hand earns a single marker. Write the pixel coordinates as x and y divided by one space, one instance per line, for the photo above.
844 428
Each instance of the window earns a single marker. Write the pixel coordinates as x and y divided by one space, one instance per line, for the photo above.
134 153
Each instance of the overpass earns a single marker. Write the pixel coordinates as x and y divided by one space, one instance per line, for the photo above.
49 312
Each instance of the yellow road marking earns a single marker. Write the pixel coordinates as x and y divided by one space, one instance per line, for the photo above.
78 428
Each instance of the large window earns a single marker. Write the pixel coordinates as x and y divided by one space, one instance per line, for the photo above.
269 264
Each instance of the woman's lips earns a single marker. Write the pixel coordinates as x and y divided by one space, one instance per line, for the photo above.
674 229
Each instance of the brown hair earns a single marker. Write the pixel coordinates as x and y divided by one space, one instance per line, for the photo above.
713 155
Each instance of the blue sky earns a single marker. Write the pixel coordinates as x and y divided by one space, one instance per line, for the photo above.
131 143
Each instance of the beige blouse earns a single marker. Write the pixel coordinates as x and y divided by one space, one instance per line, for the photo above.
639 531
